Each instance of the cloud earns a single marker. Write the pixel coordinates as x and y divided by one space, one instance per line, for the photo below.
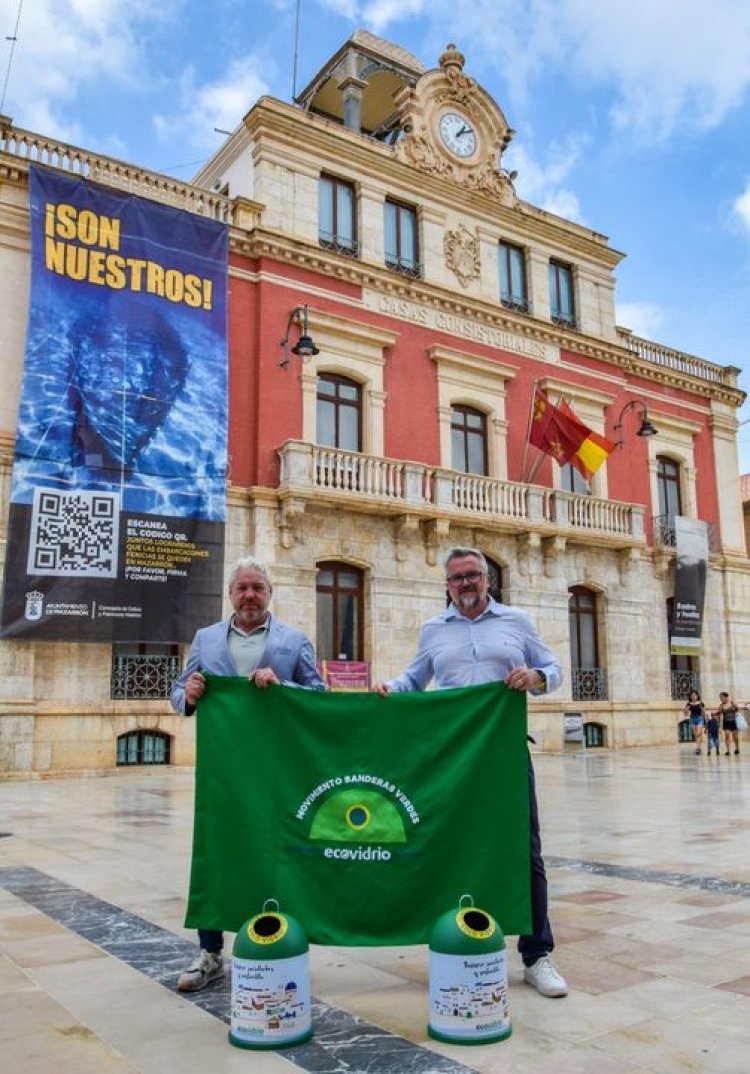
348 9
667 67
676 64
378 15
66 48
742 206
540 180
198 109
563 203
642 318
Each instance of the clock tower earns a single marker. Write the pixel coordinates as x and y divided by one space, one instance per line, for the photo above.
454 129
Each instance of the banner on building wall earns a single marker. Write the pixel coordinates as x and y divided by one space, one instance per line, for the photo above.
366 817
116 523
691 543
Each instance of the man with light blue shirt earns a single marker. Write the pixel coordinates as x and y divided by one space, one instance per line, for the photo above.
477 640
254 644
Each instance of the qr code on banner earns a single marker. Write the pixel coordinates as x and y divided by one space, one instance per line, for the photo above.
74 533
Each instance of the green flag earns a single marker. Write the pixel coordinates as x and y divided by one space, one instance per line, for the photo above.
365 817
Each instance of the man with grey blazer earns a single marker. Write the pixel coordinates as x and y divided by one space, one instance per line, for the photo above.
253 643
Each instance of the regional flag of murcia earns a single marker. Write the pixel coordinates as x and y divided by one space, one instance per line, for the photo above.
558 432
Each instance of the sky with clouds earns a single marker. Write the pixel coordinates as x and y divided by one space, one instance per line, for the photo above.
632 117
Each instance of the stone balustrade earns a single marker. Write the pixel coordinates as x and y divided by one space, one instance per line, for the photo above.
81 163
308 469
679 361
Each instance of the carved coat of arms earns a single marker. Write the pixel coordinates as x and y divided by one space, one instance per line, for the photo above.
462 254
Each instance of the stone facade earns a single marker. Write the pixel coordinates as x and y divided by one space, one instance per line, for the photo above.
416 346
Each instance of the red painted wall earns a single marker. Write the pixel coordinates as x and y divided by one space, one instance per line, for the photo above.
265 404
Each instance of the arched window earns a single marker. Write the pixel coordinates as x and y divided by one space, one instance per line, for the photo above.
339 413
468 440
589 679
339 604
143 747
496 579
684 732
593 734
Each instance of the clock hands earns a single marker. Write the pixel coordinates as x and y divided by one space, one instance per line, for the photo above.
458 135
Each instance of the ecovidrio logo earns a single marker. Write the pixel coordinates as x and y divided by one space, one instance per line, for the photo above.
358 817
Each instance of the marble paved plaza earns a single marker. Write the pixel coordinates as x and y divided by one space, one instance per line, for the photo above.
648 854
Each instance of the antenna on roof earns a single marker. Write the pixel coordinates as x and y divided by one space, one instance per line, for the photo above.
296 45
13 41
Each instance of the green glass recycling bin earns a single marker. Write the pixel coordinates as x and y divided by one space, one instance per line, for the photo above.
270 982
468 978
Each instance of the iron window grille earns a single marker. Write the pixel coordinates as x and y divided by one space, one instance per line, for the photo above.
665 535
589 684
143 677
683 684
593 735
143 747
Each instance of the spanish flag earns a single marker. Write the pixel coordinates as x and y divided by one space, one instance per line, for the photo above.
558 432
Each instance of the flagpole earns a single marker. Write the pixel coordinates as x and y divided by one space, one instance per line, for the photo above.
296 51
528 434
536 467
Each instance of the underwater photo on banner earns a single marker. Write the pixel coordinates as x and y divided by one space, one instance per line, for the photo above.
119 474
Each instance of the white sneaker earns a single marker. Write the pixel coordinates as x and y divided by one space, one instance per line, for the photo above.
544 978
206 968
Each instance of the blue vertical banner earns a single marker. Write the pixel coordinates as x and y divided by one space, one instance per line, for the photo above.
116 525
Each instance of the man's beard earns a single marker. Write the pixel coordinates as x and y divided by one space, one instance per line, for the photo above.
469 600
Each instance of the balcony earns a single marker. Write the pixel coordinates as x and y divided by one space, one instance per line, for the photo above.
678 361
405 266
371 484
565 320
665 535
34 148
340 244
517 303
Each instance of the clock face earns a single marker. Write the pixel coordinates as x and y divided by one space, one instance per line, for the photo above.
458 134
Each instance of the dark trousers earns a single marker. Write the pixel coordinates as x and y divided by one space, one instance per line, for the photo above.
532 947
211 940
541 940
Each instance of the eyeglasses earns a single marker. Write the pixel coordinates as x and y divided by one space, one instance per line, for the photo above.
471 578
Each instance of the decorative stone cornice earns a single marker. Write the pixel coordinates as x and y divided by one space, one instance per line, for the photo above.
281 248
